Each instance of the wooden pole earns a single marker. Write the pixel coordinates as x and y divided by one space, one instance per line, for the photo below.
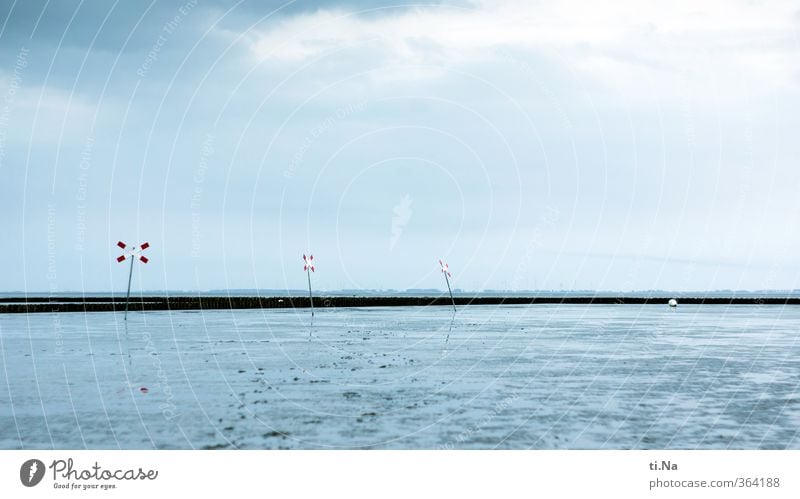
128 296
310 298
450 291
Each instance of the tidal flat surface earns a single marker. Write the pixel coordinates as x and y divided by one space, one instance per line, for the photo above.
512 377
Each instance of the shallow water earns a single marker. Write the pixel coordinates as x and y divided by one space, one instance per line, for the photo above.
574 376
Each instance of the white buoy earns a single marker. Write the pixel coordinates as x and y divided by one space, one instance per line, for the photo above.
673 302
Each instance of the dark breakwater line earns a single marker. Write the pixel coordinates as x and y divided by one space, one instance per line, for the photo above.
98 304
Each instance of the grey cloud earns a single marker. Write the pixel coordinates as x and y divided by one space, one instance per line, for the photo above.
76 23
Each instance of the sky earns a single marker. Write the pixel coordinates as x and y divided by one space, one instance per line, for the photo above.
531 145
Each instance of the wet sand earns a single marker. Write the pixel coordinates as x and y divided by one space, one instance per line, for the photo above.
511 376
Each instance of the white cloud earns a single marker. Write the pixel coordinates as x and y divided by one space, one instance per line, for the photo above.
613 44
50 115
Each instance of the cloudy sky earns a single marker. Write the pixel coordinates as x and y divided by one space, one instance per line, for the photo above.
549 145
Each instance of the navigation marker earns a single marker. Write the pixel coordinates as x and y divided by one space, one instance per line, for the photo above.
133 253
447 276
308 267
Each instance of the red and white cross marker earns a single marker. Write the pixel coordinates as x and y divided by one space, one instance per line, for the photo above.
445 268
308 267
133 253
308 262
447 276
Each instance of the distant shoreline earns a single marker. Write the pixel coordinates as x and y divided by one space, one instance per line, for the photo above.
111 304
